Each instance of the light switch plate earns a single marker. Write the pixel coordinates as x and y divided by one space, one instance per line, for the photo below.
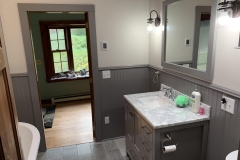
107 120
104 46
187 42
106 74
229 105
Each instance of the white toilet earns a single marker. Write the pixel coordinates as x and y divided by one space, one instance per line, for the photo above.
232 156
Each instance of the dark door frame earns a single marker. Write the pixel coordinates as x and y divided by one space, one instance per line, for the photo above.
24 8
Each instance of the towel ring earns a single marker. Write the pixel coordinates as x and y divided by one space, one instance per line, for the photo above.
155 74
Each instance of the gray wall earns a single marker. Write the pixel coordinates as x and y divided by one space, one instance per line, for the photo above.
123 81
50 90
23 98
224 130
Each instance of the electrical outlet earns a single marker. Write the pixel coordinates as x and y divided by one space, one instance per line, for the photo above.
106 74
107 120
229 105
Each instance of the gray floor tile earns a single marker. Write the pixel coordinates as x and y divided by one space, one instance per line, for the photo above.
70 152
83 148
114 154
70 147
109 145
100 156
55 153
97 148
121 144
125 158
85 157
71 158
42 156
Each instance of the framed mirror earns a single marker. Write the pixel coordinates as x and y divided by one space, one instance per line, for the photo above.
188 36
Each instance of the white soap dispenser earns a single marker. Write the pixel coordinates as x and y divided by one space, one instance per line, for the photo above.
196 99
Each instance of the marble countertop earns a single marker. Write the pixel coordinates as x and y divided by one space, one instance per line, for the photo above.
162 117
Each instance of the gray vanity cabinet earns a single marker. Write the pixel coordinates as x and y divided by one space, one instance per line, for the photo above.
133 131
144 142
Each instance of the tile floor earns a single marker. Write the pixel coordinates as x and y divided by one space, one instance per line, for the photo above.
106 150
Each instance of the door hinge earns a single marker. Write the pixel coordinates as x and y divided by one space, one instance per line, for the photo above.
87 25
94 128
90 80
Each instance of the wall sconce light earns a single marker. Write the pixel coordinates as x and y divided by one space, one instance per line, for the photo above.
231 7
233 10
153 22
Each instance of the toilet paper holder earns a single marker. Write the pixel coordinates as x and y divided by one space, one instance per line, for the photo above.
168 138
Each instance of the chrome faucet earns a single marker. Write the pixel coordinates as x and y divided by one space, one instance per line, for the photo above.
168 92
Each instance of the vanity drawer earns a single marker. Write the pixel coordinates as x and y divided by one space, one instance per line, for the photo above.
132 153
147 131
147 150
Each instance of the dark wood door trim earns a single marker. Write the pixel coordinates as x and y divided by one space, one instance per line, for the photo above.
2 157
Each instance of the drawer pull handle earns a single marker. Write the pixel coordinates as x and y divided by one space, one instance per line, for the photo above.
145 146
146 130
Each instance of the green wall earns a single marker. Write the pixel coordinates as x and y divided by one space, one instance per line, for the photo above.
49 90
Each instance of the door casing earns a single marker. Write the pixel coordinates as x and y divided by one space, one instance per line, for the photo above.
24 8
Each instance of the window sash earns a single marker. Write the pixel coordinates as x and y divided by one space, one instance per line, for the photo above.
46 41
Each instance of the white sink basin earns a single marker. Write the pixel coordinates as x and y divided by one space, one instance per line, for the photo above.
155 102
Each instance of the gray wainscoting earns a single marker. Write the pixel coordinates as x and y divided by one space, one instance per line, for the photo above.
23 98
122 82
224 130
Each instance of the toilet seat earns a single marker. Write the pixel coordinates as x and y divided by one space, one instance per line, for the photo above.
232 156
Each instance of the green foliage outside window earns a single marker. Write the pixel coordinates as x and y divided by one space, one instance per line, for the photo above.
79 47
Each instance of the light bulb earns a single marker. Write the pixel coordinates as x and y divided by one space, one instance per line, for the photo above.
158 30
224 20
150 27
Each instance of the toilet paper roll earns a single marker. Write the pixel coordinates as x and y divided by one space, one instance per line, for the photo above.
168 149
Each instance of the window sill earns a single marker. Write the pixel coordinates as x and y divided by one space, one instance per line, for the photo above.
67 79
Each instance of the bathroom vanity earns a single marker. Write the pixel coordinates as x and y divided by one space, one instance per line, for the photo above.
151 117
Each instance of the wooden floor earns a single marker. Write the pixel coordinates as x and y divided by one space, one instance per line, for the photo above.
72 124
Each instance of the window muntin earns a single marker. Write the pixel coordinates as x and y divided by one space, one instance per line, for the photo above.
65 48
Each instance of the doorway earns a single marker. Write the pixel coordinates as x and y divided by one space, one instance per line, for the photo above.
89 12
60 44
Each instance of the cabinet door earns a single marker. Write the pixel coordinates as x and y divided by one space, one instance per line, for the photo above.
137 133
129 123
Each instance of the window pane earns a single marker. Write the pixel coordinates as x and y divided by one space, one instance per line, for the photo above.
56 57
64 56
61 34
57 67
53 34
62 45
65 66
79 47
54 45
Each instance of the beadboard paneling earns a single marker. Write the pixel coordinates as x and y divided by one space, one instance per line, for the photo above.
23 99
122 82
224 129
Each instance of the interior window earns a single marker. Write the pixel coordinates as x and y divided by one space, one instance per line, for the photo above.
65 49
